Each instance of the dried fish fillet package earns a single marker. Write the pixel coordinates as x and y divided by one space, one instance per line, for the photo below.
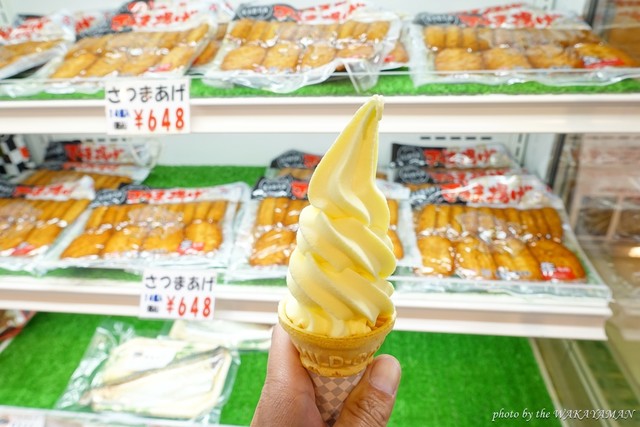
125 374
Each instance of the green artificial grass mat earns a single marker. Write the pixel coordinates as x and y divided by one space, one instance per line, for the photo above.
395 84
448 380
203 176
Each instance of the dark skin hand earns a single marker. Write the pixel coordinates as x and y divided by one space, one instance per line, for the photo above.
288 398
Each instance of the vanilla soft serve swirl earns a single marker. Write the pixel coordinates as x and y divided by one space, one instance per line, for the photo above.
337 273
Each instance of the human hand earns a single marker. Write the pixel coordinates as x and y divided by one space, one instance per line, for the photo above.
288 398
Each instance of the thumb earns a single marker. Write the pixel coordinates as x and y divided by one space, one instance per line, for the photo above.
371 401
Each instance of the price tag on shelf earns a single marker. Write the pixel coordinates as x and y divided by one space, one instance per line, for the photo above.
178 294
148 107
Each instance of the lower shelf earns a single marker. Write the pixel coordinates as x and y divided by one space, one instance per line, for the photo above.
486 314
444 381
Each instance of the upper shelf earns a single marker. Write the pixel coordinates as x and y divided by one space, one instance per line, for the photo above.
494 113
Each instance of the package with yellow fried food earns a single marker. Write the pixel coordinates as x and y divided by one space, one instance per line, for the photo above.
518 42
267 228
33 41
282 48
34 218
110 162
495 229
159 40
138 227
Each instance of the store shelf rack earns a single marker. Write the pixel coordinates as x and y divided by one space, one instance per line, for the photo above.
560 113
527 316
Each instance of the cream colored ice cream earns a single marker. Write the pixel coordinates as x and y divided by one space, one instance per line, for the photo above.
338 272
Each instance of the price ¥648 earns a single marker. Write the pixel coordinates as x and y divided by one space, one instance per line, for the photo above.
167 119
195 307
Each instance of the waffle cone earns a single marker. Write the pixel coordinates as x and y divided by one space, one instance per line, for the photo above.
336 357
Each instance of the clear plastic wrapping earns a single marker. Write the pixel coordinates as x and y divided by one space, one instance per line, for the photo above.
517 236
159 41
453 157
140 227
110 150
32 218
104 176
111 163
280 48
513 43
400 219
33 42
242 336
267 231
123 373
299 165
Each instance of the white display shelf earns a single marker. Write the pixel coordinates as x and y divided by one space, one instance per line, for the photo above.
575 113
530 316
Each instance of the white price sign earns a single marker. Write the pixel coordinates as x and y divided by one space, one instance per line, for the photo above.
178 294
148 107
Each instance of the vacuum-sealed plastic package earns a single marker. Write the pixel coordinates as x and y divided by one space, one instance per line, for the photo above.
224 14
297 164
32 218
242 336
455 157
110 162
280 48
159 41
112 150
34 41
497 228
104 175
134 228
132 377
300 165
267 231
400 219
510 44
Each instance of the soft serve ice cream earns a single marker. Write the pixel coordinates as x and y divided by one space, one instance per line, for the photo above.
338 272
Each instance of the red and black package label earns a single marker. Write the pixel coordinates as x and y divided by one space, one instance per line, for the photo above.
109 198
476 156
550 271
283 186
272 187
296 159
435 194
516 15
121 196
78 151
272 12
413 175
299 189
402 155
